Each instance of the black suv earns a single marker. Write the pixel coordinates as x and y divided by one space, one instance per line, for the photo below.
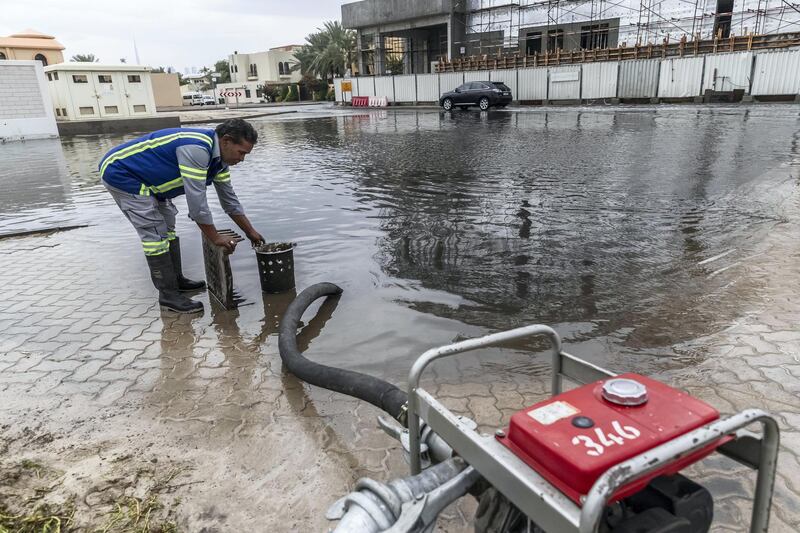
483 94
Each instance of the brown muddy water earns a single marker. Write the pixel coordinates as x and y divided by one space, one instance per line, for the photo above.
442 226
655 240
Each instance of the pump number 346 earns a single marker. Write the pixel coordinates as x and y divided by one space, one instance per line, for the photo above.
604 440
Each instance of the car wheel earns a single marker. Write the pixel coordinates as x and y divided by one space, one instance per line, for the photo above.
447 104
483 103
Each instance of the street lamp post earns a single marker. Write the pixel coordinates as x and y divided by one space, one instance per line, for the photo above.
214 77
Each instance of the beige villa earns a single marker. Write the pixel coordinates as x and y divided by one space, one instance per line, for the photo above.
32 45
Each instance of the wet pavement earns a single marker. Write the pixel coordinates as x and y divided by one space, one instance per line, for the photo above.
661 241
196 114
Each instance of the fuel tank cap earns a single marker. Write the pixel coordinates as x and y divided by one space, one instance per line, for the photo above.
623 391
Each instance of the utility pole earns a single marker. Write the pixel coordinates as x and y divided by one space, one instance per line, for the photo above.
214 77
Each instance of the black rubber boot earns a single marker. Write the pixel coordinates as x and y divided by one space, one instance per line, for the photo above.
163 274
184 284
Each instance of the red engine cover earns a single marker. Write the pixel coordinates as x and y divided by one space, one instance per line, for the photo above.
572 458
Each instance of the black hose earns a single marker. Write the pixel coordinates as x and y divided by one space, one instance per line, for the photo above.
368 388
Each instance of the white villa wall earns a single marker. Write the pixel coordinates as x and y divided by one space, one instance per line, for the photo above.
26 111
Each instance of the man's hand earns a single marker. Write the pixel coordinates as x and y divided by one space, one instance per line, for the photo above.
225 242
255 237
248 229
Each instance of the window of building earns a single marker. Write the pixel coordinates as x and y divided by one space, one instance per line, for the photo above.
286 68
722 20
55 76
368 41
49 77
63 111
41 58
86 110
280 68
555 40
253 70
246 92
594 36
368 60
236 68
58 112
368 53
533 43
110 109
104 78
395 54
139 109
134 78
79 78
2 55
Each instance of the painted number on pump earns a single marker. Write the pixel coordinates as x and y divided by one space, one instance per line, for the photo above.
604 440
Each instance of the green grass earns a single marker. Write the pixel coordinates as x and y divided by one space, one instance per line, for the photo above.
129 514
42 520
134 515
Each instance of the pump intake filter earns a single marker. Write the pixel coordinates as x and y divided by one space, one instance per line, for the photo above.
276 266
219 277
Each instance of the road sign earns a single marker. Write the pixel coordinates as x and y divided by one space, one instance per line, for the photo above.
347 86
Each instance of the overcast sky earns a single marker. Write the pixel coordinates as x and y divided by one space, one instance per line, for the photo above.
177 33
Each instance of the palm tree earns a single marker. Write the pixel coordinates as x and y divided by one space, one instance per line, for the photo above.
328 52
85 58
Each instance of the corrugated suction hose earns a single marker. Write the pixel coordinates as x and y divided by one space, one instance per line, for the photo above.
362 386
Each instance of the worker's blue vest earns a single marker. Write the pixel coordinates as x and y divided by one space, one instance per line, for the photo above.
149 165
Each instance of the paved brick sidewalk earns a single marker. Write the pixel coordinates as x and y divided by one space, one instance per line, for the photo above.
96 380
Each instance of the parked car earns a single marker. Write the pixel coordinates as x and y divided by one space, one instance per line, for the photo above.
483 94
208 100
192 99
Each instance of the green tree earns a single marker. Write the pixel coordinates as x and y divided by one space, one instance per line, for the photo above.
223 67
328 52
85 58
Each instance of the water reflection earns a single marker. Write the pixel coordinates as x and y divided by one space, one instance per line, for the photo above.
440 225
36 177
572 217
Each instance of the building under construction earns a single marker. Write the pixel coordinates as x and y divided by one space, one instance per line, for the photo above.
410 36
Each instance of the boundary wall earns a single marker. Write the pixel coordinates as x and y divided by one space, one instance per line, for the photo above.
734 76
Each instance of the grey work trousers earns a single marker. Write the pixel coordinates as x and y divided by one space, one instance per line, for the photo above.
153 219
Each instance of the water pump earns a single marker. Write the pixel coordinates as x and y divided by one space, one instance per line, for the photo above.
602 457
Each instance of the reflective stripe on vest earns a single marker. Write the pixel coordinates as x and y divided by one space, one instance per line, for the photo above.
153 143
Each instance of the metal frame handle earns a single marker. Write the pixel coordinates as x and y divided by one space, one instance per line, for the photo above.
565 365
639 466
464 346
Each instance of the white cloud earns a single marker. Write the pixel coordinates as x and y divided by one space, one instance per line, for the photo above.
174 33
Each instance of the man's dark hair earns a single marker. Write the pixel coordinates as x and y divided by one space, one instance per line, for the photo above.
238 130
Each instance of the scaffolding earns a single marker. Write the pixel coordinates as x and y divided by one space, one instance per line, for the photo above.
533 28
494 27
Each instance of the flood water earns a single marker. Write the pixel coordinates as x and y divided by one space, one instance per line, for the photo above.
444 226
